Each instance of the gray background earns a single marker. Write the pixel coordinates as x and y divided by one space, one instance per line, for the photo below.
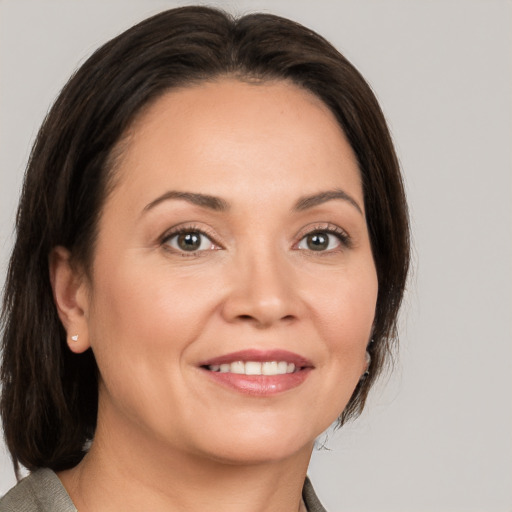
437 435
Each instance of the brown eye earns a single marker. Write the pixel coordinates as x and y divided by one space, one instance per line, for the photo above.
317 241
320 241
190 241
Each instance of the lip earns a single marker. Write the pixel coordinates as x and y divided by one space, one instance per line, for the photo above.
259 385
260 356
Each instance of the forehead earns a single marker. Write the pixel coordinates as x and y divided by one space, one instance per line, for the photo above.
206 135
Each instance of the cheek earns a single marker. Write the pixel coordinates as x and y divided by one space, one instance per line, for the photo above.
140 326
345 318
132 298
145 315
346 307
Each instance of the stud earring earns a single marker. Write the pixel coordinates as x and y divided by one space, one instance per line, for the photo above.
74 337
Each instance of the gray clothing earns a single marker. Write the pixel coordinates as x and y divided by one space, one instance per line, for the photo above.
310 498
42 491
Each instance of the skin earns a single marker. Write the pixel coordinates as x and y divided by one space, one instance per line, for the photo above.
169 437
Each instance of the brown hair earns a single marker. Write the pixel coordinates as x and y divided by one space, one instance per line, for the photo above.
49 395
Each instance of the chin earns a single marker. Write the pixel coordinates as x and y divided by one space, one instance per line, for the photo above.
262 445
259 453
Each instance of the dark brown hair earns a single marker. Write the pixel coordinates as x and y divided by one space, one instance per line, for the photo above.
49 395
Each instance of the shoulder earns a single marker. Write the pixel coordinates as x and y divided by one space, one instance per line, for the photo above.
41 491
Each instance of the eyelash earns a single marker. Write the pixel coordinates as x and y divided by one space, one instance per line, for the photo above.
180 230
329 229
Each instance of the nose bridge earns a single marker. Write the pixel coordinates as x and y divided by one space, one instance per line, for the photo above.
262 289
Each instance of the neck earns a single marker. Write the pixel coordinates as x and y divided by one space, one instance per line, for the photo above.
133 475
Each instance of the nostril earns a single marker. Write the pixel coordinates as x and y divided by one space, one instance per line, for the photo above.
288 318
253 307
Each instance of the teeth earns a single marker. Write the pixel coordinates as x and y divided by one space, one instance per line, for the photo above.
237 367
254 367
269 368
282 367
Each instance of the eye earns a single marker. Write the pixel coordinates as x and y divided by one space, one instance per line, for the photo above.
189 241
323 241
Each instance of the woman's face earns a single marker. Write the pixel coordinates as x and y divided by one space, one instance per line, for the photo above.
233 288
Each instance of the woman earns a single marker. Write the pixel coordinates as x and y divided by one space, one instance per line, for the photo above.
212 246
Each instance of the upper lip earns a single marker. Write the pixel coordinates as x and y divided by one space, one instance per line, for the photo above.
259 356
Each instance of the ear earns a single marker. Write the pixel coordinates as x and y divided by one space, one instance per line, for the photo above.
71 298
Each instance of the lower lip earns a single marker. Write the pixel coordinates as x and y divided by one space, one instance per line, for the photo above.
260 385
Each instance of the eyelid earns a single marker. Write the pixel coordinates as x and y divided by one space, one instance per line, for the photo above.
186 228
325 227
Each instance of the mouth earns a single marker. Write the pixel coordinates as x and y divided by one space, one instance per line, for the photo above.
254 368
258 373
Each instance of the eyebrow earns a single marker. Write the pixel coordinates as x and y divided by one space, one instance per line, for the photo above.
306 202
220 205
203 200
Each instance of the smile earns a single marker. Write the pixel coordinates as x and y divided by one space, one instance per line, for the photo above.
254 368
258 373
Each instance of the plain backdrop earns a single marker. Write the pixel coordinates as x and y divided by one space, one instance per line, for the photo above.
437 434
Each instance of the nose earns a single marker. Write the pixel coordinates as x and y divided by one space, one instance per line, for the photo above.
263 291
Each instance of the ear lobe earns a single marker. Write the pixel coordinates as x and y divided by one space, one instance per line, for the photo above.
70 297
